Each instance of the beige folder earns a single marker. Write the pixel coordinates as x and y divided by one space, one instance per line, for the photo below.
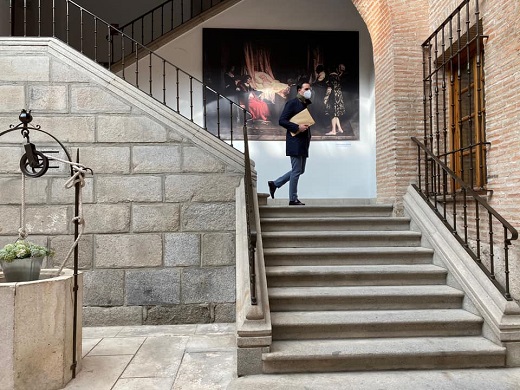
303 118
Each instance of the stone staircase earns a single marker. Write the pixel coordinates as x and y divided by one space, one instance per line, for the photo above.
351 289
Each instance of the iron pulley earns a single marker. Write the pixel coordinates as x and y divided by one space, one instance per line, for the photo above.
33 163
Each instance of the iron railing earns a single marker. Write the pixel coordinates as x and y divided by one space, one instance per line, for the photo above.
146 70
452 156
454 104
165 18
466 214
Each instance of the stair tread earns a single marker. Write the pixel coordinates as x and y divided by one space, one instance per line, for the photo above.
397 347
368 291
340 233
306 270
325 218
349 250
394 317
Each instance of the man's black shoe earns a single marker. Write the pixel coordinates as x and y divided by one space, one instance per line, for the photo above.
296 203
272 188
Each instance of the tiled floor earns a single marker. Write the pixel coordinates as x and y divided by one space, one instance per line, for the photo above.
198 356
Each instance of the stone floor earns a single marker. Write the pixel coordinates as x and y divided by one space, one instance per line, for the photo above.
203 357
188 357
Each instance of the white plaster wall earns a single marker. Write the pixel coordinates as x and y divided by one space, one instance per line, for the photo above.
343 169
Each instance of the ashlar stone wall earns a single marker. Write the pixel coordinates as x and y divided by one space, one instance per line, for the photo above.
159 239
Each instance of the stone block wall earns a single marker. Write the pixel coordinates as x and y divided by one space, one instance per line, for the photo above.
159 240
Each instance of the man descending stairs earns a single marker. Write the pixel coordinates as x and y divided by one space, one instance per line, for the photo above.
352 289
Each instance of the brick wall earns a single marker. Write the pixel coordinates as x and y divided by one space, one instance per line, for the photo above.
160 208
397 29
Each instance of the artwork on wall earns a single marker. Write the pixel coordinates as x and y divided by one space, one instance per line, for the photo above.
260 69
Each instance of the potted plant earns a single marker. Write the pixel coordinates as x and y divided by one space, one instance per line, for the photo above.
22 260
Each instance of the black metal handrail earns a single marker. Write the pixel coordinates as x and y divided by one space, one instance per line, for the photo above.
444 191
164 18
173 87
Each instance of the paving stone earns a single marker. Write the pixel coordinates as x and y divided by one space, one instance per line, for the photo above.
90 376
212 342
206 370
144 383
159 356
117 346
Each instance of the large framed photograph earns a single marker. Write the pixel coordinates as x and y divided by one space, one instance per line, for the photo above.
259 70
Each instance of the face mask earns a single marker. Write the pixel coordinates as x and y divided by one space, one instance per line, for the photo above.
307 94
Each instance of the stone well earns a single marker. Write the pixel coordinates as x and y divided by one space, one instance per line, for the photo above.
36 331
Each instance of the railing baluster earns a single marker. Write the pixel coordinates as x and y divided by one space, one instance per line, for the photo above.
39 18
54 18
109 47
191 98
68 21
81 31
178 86
150 73
136 65
123 56
507 242
491 249
95 39
164 80
24 18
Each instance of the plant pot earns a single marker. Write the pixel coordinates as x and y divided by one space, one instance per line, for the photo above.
22 270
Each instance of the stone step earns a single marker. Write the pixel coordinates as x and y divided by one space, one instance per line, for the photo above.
278 211
382 354
347 256
320 239
364 298
372 324
335 224
355 275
